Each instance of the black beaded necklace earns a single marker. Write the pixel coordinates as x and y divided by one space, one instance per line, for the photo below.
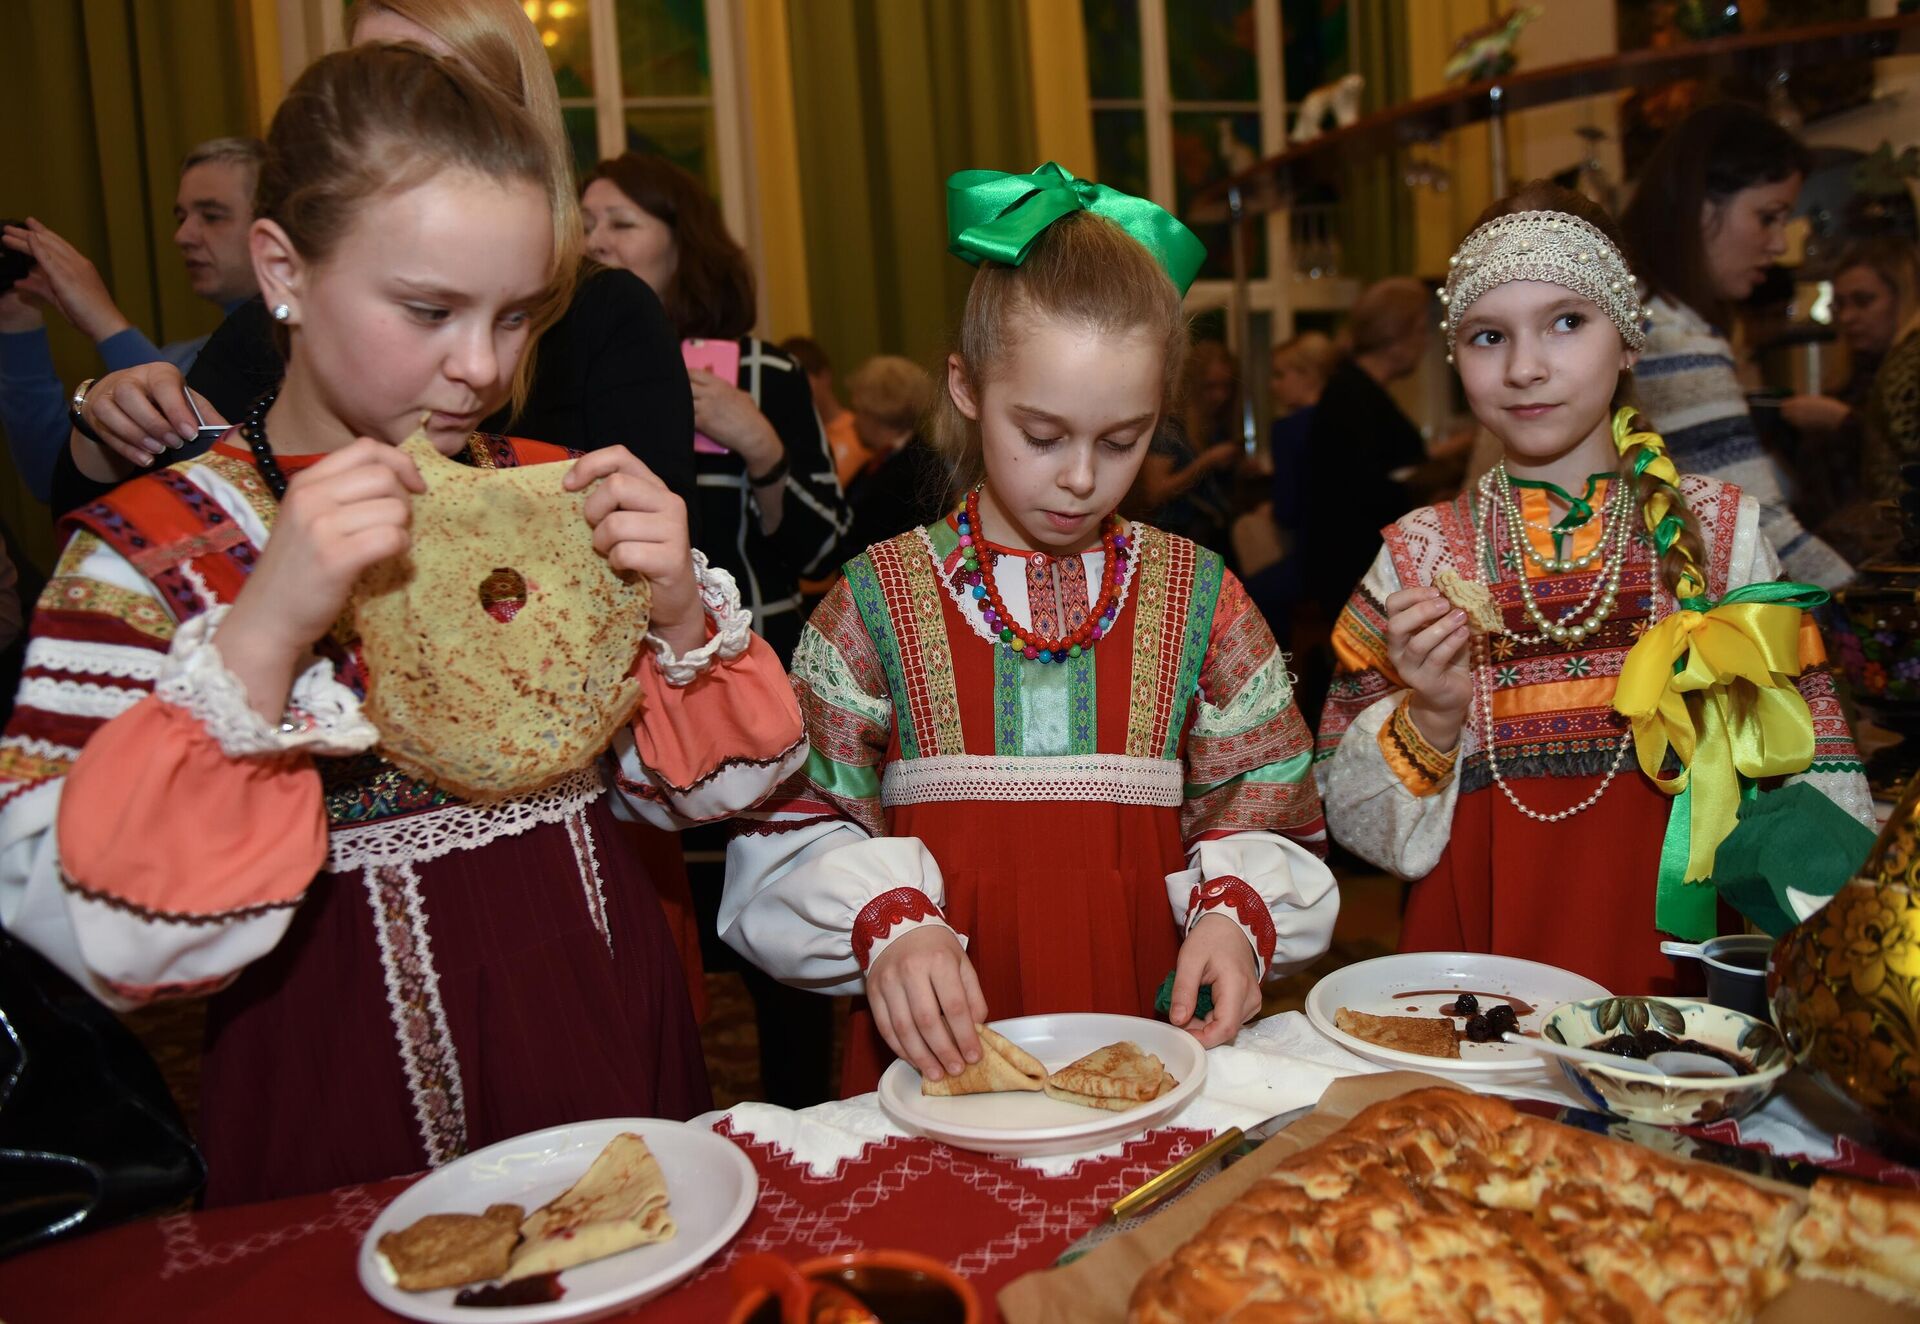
254 428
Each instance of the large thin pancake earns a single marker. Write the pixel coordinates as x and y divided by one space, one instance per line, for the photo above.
1429 1036
1003 1066
1117 1077
480 705
618 1203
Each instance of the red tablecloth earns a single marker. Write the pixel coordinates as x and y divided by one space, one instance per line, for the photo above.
990 1218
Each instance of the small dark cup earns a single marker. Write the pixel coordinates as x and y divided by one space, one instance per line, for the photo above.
1736 968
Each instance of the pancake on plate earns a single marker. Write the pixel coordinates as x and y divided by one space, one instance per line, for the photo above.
1118 1077
619 1203
1004 1066
452 1250
1429 1036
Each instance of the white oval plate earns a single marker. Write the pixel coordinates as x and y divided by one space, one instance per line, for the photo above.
1023 1125
711 1187
1372 986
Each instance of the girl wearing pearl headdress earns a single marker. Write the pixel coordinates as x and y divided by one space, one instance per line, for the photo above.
1520 775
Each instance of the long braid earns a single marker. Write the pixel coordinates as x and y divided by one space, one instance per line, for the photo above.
1676 532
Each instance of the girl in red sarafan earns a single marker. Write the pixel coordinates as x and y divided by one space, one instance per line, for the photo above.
189 799
1055 755
1499 771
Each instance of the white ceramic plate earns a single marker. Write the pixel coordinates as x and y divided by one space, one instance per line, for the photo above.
711 1186
1024 1125
1405 985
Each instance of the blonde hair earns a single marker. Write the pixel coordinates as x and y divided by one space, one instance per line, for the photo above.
1083 270
1386 313
894 390
498 43
1313 351
373 121
1895 262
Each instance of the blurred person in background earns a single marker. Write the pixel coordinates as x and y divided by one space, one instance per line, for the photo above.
1840 471
1185 483
1360 444
771 509
906 486
1706 224
849 455
212 209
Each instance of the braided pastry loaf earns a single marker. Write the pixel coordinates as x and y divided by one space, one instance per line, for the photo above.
1441 1205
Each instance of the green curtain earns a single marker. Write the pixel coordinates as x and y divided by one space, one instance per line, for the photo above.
105 97
890 97
1377 206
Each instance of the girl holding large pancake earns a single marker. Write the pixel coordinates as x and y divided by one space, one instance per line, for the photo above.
190 797
1553 693
1055 755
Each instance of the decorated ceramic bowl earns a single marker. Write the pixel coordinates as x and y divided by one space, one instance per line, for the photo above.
1669 1100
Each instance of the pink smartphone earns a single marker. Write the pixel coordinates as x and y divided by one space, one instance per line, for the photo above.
722 359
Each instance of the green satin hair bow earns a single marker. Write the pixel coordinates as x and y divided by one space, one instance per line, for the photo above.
995 216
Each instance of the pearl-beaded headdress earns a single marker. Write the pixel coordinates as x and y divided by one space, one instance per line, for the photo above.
1549 246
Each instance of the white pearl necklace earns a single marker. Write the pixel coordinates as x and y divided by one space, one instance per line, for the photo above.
1606 585
1483 663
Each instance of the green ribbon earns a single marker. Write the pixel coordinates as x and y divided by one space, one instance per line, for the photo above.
1690 911
1579 508
994 216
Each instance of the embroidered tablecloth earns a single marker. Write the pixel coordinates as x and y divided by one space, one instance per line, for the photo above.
833 1178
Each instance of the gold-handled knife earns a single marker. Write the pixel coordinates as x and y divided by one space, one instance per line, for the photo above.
1156 1191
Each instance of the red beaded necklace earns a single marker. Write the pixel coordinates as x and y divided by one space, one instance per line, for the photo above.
978 571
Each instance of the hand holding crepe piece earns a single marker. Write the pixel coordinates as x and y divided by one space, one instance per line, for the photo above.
1116 1078
496 703
1475 599
620 1203
452 1250
1003 1066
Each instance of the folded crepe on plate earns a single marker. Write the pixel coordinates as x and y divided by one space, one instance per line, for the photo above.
620 1203
1003 1066
1117 1077
1429 1036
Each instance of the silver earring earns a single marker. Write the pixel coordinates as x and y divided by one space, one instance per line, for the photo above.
281 312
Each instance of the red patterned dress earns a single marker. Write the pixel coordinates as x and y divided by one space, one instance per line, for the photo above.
397 976
1487 877
1069 821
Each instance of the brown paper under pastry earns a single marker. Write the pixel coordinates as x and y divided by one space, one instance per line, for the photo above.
452 1250
1095 1289
1004 1067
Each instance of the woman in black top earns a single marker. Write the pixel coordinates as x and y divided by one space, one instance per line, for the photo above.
1360 448
609 371
770 506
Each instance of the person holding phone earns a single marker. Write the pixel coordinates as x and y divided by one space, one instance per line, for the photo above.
771 509
770 505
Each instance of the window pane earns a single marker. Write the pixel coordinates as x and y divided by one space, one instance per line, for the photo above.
684 137
1120 149
1113 48
567 34
663 48
584 134
1208 146
1313 43
1210 51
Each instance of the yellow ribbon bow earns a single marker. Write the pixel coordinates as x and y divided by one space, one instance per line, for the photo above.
1716 688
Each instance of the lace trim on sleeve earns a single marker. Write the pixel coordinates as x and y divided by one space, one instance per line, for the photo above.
323 716
732 627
